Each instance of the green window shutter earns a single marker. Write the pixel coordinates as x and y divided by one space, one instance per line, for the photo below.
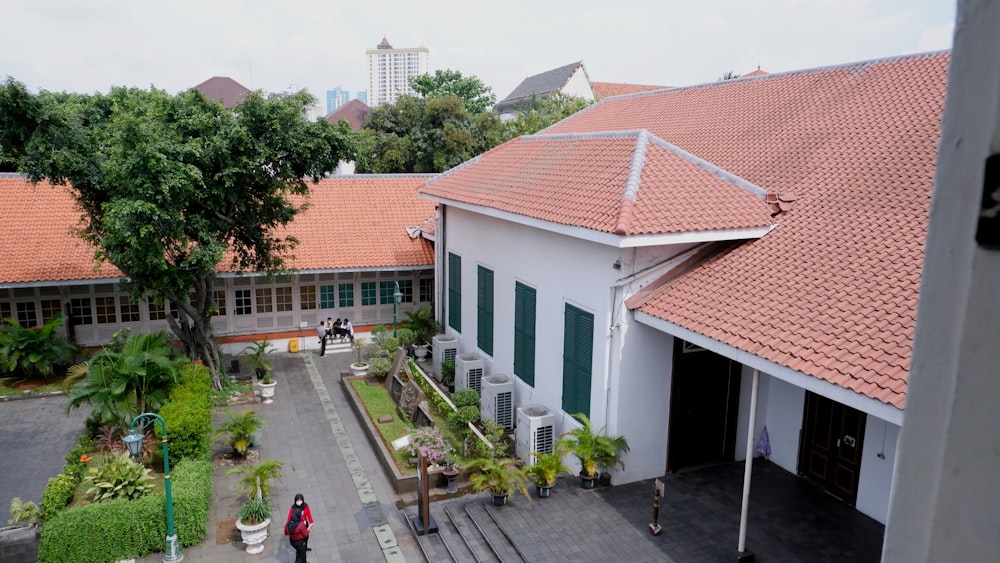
326 297
455 292
346 294
524 333
578 360
484 310
369 293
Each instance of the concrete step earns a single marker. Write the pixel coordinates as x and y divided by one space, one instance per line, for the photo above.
468 531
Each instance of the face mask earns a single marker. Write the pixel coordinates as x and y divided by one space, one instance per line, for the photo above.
298 503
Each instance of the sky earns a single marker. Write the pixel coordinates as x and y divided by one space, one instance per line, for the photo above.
281 45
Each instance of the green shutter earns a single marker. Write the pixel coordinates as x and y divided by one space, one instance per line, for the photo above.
484 310
524 333
455 292
578 359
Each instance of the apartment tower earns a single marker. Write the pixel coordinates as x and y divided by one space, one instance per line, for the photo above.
390 70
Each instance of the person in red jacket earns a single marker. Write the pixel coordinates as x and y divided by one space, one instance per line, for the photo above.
298 536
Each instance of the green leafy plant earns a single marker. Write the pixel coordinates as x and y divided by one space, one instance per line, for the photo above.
358 346
448 372
593 448
405 337
254 511
109 439
24 513
34 350
422 323
495 434
256 356
497 475
459 420
465 397
188 414
239 430
380 366
432 441
118 477
548 465
248 475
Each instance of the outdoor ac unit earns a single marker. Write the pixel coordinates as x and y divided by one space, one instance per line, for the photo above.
536 430
469 372
497 399
445 348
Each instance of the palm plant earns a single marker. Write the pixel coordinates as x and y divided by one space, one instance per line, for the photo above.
33 350
256 355
548 465
593 448
126 378
250 476
239 430
422 323
501 476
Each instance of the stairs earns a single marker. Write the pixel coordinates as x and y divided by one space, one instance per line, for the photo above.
468 531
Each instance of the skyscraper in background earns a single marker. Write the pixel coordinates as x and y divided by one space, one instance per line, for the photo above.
336 98
390 70
363 96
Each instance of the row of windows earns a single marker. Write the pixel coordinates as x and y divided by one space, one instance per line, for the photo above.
114 309
578 333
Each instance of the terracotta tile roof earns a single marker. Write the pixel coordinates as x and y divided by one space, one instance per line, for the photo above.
353 222
223 89
542 84
757 72
353 112
607 89
625 183
832 291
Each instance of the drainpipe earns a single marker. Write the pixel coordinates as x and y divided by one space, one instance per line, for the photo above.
747 466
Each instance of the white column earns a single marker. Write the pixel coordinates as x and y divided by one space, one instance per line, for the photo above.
748 463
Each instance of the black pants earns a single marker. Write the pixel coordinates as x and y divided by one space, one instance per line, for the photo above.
300 549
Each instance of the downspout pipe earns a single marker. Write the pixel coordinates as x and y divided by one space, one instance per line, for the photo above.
747 467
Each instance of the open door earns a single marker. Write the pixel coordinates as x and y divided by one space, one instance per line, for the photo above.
704 404
832 436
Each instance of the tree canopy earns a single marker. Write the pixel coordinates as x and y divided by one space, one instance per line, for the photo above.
171 185
537 114
476 96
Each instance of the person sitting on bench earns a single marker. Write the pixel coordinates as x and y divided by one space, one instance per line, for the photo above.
347 329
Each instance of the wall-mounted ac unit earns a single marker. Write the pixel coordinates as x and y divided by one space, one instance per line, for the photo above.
445 348
469 372
497 399
536 431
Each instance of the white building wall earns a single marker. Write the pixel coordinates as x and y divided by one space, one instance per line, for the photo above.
783 418
579 85
876 470
746 388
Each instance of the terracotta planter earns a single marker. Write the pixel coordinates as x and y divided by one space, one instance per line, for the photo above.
253 535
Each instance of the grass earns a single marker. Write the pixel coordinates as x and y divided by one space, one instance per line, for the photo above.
17 385
378 403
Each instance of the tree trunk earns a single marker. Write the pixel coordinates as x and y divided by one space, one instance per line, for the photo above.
193 326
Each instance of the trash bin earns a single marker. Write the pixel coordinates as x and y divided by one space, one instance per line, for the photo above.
293 345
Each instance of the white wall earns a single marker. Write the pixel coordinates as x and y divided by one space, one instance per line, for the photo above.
876 473
578 85
746 388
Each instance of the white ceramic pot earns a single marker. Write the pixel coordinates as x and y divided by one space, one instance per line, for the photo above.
359 369
420 351
253 535
267 392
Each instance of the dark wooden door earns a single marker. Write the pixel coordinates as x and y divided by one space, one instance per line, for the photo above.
704 404
832 436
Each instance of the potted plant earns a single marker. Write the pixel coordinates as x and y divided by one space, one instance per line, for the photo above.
448 374
594 449
547 466
255 514
502 477
424 327
256 357
359 367
451 470
241 430
267 386
259 475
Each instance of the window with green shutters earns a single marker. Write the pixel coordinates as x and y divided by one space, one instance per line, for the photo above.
326 297
345 294
369 293
484 310
455 292
386 290
524 333
578 359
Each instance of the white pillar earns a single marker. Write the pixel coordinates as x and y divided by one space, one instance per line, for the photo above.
748 463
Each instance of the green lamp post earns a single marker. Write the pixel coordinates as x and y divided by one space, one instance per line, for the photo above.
397 298
134 443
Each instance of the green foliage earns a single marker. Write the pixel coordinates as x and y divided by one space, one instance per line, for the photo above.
118 477
126 378
432 441
358 346
495 434
380 366
252 476
24 513
536 114
173 184
188 415
256 355
548 465
475 95
34 351
239 430
404 337
422 323
728 75
465 397
254 511
593 448
57 495
117 529
498 475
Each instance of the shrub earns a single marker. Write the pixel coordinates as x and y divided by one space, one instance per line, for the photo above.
495 434
118 477
238 431
188 415
119 529
57 495
465 397
380 366
459 420
254 511
33 350
23 513
432 441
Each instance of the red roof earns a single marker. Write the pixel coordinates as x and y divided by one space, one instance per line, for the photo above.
353 112
353 222
607 89
832 291
757 72
626 184
223 89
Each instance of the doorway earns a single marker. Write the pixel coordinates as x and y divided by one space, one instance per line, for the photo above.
704 405
832 436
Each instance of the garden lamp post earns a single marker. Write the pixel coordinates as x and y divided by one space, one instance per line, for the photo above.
134 443
397 298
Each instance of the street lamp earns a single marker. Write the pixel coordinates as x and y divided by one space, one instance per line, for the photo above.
134 443
397 298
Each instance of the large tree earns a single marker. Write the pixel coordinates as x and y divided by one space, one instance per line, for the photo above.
475 96
536 113
173 185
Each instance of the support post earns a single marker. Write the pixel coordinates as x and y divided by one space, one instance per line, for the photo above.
744 554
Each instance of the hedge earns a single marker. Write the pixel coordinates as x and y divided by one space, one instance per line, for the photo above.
60 489
188 415
120 529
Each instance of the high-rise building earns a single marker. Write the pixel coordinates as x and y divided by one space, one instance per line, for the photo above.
336 98
363 96
390 70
